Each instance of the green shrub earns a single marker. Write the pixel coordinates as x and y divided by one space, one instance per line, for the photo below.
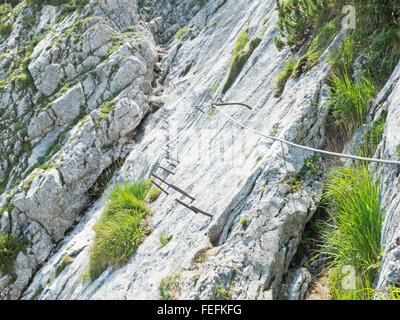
5 29
383 53
10 246
279 44
120 230
352 237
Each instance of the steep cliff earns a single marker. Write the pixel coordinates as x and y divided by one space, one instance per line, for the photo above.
92 91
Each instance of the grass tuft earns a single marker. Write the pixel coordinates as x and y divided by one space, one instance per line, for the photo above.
121 229
352 237
350 100
240 57
170 287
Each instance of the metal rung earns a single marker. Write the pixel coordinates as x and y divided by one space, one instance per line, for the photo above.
194 209
170 158
185 205
202 212
199 109
165 169
234 104
157 177
174 187
172 164
159 187
181 191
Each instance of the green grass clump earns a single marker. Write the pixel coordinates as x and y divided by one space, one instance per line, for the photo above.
154 193
279 44
284 76
188 67
164 239
321 40
181 32
243 222
37 293
349 101
240 57
10 246
223 293
170 287
64 263
120 230
352 237
373 137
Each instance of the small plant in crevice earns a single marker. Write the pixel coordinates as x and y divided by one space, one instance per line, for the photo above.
244 222
188 67
164 239
10 246
310 167
223 293
153 195
37 293
373 137
103 180
64 263
181 32
284 76
170 287
201 257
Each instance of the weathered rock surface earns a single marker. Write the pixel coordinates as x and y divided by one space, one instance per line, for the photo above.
95 77
83 117
390 148
232 173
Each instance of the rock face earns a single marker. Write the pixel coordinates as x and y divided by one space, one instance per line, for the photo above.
91 81
94 77
232 173
390 148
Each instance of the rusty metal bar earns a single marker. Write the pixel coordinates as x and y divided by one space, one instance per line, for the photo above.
157 177
181 191
174 187
172 164
202 212
159 187
171 158
165 169
232 104
194 209
185 205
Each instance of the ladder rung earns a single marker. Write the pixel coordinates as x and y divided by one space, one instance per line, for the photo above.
159 187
